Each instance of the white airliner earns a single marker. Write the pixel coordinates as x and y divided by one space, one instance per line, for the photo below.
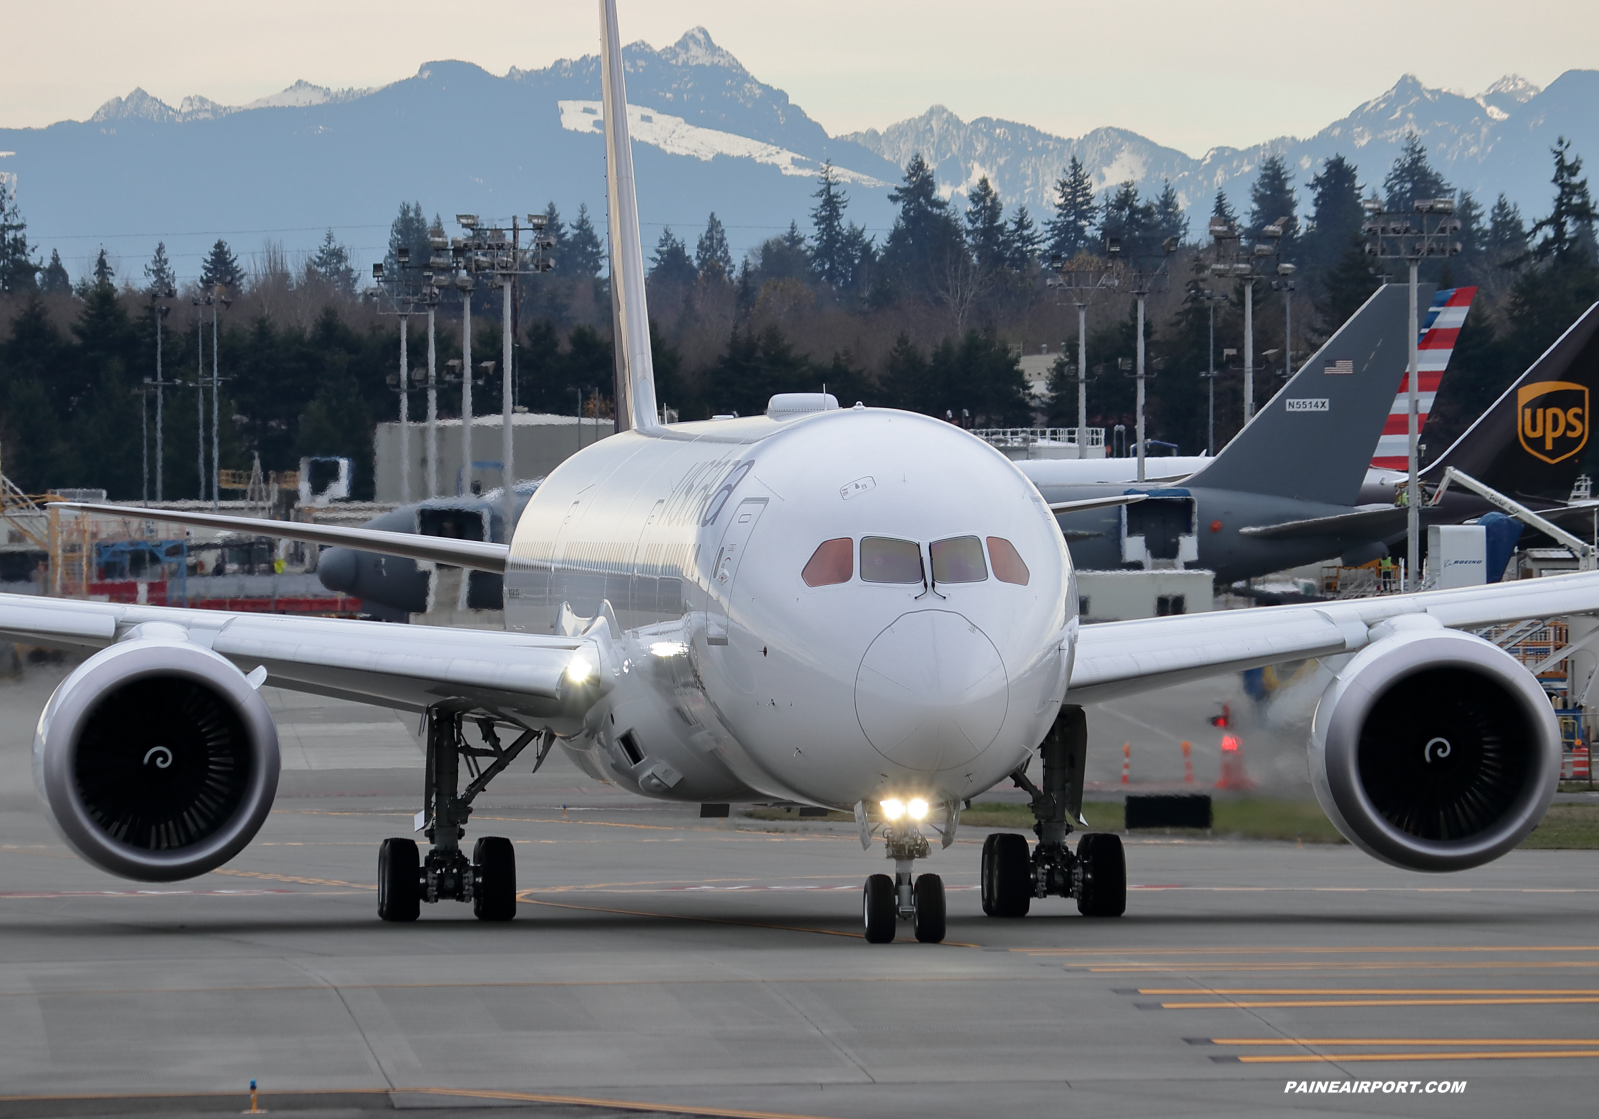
849 607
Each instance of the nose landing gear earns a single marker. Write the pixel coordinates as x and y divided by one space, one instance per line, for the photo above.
918 899
1096 875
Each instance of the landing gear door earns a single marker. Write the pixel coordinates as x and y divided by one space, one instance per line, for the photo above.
734 541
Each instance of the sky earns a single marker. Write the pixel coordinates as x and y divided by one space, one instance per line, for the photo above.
1191 76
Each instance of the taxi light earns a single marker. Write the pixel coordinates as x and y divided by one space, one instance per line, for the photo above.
893 809
917 809
668 649
579 670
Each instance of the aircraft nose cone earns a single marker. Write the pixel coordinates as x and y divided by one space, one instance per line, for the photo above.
931 691
336 568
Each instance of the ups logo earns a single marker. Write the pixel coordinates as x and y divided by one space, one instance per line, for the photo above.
1552 419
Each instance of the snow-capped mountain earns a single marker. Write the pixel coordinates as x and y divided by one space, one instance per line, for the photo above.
709 136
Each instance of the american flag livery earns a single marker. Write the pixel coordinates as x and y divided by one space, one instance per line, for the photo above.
1438 333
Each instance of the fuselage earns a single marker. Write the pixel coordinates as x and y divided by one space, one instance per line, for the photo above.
827 608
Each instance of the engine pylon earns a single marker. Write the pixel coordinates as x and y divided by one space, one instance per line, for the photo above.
1233 775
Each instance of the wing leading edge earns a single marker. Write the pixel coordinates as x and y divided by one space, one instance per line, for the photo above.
1115 659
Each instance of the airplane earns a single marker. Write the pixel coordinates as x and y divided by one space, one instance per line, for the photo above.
1289 488
857 608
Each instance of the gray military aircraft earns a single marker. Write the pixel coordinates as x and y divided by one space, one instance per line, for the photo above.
1293 487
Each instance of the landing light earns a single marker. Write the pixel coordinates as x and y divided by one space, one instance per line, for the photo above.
668 648
918 809
893 809
579 670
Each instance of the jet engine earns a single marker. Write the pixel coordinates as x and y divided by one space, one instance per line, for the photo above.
1434 750
157 759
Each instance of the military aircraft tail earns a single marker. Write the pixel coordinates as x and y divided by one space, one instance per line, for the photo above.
1314 440
1531 442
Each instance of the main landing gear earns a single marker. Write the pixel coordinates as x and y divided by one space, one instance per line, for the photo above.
1096 875
901 898
406 878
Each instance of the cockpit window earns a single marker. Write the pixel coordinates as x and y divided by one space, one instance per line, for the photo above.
885 560
832 562
1008 565
958 560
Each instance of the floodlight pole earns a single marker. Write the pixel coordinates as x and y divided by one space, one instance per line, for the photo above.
144 444
1082 377
199 387
1140 376
1413 407
464 485
433 401
1210 434
160 388
507 405
405 408
216 391
1249 350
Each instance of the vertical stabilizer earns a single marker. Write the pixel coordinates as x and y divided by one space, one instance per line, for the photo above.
1439 331
635 369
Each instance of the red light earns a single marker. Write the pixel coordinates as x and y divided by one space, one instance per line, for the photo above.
1215 526
1229 743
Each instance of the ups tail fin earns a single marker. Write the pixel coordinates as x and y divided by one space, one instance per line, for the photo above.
1531 442
635 368
1313 441
1437 342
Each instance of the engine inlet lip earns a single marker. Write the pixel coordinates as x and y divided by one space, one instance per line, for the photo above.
75 701
1373 674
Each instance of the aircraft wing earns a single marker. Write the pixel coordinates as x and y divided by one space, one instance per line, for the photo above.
480 555
1116 659
405 667
1375 523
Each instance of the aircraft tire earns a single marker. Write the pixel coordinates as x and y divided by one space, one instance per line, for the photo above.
1104 882
494 896
399 880
1007 876
929 897
879 909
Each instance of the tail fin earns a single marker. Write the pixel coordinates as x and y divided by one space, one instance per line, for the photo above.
635 367
1438 333
1314 440
1529 442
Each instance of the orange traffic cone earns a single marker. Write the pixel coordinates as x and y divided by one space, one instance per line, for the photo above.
1232 765
1127 761
1581 769
1188 764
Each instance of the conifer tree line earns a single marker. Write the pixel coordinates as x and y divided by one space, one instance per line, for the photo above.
930 316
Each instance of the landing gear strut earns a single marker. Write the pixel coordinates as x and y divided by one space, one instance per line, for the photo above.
1096 875
918 899
406 878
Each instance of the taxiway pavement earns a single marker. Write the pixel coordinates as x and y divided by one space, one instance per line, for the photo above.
663 962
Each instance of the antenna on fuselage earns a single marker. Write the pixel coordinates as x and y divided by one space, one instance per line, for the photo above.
630 316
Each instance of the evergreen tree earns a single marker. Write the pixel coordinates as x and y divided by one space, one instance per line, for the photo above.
1071 228
1563 280
1473 235
712 258
584 253
1169 219
905 375
104 275
1271 199
1344 287
54 280
782 258
1022 241
1506 240
554 229
1335 193
1224 210
18 269
1412 178
158 272
925 240
985 225
221 267
670 264
409 231
1131 222
754 367
832 253
331 265
1568 230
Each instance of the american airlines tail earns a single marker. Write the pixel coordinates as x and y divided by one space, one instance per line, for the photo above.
635 366
1438 333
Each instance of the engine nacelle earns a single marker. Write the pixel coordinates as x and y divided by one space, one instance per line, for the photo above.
156 759
1434 750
